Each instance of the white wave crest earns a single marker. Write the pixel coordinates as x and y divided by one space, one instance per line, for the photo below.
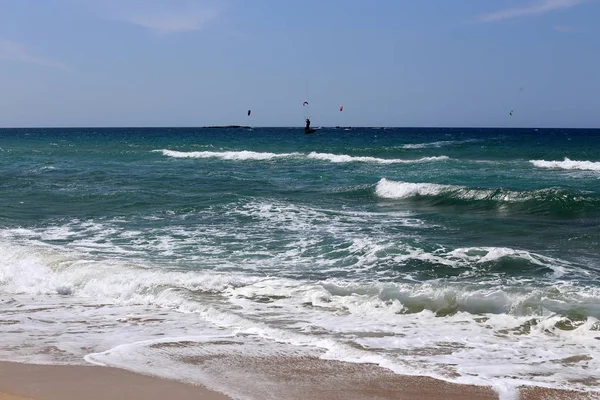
402 190
226 155
35 269
244 155
568 164
344 158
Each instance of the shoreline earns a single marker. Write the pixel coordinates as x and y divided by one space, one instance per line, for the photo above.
310 378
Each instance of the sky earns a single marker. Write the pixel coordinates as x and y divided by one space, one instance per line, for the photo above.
466 63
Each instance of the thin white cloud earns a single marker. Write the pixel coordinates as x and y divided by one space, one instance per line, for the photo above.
172 17
540 7
15 51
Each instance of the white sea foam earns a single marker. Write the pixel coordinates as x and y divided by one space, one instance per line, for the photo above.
40 270
245 155
66 300
242 155
344 158
402 190
568 164
322 241
42 169
421 339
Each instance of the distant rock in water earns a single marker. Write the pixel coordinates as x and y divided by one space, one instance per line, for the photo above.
227 127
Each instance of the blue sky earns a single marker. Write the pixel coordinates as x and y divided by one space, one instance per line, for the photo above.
389 62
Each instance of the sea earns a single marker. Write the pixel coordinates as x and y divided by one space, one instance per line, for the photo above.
468 255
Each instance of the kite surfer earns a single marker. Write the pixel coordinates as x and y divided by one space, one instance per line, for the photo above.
307 129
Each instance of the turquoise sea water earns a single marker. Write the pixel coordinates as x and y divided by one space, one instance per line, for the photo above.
467 254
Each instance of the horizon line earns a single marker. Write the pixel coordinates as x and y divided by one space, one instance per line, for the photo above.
291 127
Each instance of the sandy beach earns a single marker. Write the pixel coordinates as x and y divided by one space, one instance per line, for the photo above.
49 382
321 381
6 396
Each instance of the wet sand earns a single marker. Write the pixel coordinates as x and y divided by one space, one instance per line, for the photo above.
303 379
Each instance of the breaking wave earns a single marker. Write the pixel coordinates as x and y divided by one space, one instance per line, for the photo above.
245 155
396 325
568 164
545 201
227 155
343 158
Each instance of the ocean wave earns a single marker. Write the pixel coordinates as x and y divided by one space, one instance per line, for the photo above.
295 228
568 164
35 269
402 190
344 158
415 328
48 272
245 155
242 155
544 201
310 244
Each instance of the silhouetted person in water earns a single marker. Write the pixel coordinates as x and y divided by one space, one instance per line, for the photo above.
307 129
